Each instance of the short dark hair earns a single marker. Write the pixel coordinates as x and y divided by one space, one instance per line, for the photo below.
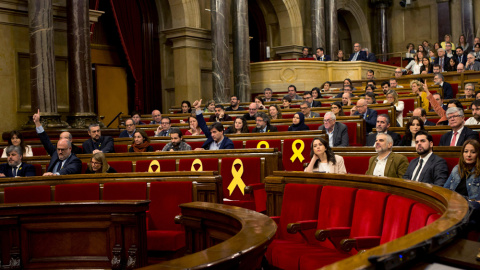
371 71
136 113
294 87
422 111
459 47
386 116
168 118
219 106
386 82
308 92
372 96
93 125
476 103
321 49
177 131
457 103
350 81
424 132
305 47
347 85
436 65
372 81
217 125
289 99
267 89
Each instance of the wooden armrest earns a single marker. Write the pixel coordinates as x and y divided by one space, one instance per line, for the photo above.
301 226
252 187
367 242
178 219
276 219
335 235
347 244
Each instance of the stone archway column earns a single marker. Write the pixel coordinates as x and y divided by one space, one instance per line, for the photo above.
332 28
382 6
42 63
443 13
318 24
241 50
220 51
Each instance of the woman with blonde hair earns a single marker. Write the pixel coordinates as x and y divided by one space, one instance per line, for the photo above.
98 164
210 106
417 89
392 98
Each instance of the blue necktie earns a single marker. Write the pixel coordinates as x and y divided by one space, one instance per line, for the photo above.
57 166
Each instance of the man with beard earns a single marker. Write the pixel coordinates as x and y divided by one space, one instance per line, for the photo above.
252 110
97 142
428 167
214 134
386 163
219 115
263 123
14 166
383 123
234 105
176 142
368 114
475 119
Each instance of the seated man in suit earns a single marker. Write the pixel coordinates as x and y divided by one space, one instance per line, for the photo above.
130 129
252 110
469 91
420 112
14 166
320 56
368 114
439 100
337 132
215 138
307 96
307 110
383 123
471 63
442 60
358 54
447 88
370 56
346 89
97 142
164 129
292 93
219 115
460 133
475 119
263 123
428 167
268 92
386 163
157 117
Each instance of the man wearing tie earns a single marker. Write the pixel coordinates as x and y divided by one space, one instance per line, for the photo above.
368 114
358 54
164 129
14 166
441 60
460 133
320 56
428 167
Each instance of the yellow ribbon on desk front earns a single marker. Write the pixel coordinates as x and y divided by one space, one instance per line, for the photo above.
297 152
237 177
154 162
195 162
259 145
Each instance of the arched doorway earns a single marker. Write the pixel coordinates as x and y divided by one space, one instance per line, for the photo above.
258 32
344 35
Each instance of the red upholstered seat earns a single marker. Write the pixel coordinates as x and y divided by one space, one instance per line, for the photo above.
356 164
150 133
282 127
27 194
123 166
396 220
451 163
271 144
238 144
436 139
196 144
409 106
84 167
352 133
39 151
77 192
432 218
125 191
38 169
291 161
419 216
250 173
300 202
314 126
158 146
287 115
166 165
163 234
208 164
121 148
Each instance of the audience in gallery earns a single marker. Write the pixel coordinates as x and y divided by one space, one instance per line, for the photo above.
436 46
292 93
441 60
340 56
215 134
210 106
476 52
274 112
387 163
415 64
234 105
157 117
239 126
321 56
382 126
97 142
347 89
308 97
262 124
358 54
193 124
129 129
414 125
164 129
447 38
392 98
140 142
463 43
268 95
337 109
98 164
186 107
426 45
305 53
16 139
220 115
15 167
137 119
325 88
323 159
471 64
410 51
176 142
337 132
298 123
259 101
432 55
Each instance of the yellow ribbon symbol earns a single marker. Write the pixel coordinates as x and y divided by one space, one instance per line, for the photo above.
195 162
259 145
297 152
237 178
155 162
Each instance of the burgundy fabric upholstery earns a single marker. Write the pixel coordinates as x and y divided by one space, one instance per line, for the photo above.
288 116
158 146
352 133
419 217
238 144
166 165
271 143
314 126
38 169
123 166
455 89
77 192
163 234
121 148
150 133
356 164
436 139
287 153
196 144
125 191
84 167
451 163
208 164
282 127
27 194
409 106
397 215
39 151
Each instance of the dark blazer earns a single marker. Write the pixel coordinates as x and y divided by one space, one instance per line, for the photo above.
428 123
447 90
325 58
435 171
106 145
270 128
72 165
124 134
24 170
226 117
362 56
396 165
226 143
464 58
371 119
371 57
465 135
446 60
372 137
316 104
248 117
340 134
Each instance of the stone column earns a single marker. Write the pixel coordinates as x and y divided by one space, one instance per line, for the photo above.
318 24
468 21
443 13
241 50
332 28
382 6
42 63
79 65
220 52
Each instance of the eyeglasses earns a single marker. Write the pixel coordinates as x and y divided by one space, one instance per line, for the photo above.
398 72
452 117
129 125
96 163
327 120
62 149
165 123
303 108
156 115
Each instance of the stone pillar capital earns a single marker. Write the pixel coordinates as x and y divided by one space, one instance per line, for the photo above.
289 51
381 3
188 37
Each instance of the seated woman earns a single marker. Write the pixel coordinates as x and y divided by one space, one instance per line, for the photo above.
427 67
316 92
209 106
465 177
414 125
140 142
325 87
415 65
274 112
194 128
259 102
417 89
286 101
298 123
337 109
98 164
186 107
239 126
370 98
323 159
392 98
16 138
451 65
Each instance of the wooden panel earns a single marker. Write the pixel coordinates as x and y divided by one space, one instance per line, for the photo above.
112 96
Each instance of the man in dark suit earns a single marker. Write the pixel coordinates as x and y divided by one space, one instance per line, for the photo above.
460 56
439 100
358 54
442 60
368 114
263 123
460 133
14 166
370 56
97 142
420 112
383 123
336 131
215 138
428 167
307 96
219 115
130 129
320 56
447 88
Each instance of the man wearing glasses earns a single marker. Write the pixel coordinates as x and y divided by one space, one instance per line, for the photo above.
307 96
164 129
358 54
471 63
129 129
460 133
398 72
63 161
337 132
252 110
262 124
157 117
368 114
306 110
